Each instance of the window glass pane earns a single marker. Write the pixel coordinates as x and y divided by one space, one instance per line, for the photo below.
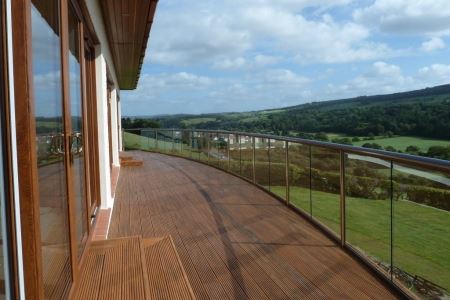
54 226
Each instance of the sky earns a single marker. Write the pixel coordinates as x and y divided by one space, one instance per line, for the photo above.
242 55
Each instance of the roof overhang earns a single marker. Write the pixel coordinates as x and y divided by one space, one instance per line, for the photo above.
128 24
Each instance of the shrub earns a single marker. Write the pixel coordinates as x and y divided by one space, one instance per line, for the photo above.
372 146
429 196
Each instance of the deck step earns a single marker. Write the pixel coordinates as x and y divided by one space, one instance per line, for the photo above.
166 274
125 157
132 163
113 269
133 268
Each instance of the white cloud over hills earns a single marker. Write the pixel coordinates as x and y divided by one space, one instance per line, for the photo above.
238 55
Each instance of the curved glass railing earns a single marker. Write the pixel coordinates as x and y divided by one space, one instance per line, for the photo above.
390 209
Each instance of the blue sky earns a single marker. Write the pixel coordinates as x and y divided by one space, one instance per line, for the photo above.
240 55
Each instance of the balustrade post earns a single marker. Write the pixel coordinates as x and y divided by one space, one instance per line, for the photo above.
173 141
209 145
228 153
268 155
240 155
254 158
191 142
286 145
342 196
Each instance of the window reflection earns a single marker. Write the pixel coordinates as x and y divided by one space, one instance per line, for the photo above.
76 106
48 101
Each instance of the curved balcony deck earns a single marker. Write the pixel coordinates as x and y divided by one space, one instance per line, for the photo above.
234 240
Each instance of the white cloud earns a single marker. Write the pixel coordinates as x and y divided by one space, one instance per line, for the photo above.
282 77
433 44
195 37
313 41
152 87
436 74
224 33
241 63
381 78
230 64
407 16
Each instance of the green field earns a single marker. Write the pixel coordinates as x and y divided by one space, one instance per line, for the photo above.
421 234
133 141
196 121
398 142
402 142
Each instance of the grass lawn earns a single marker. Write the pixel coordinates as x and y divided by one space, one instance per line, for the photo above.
196 121
421 234
398 142
135 141
402 142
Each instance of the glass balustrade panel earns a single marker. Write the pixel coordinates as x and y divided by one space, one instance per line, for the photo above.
235 154
421 231
368 207
299 176
277 168
325 184
222 148
246 156
262 167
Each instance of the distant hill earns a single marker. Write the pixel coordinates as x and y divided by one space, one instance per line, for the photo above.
421 113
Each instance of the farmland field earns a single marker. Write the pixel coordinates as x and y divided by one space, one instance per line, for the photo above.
402 142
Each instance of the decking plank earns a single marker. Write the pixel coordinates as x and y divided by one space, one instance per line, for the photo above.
234 240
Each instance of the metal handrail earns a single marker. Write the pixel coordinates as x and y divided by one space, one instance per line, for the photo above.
414 160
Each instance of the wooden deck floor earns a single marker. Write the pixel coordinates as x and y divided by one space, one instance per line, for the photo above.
234 240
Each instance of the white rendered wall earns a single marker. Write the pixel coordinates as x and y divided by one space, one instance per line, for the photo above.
103 59
114 129
119 108
103 133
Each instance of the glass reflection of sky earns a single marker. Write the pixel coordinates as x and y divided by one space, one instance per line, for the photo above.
75 74
46 67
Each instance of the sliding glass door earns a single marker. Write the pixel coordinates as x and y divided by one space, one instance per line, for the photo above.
50 150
